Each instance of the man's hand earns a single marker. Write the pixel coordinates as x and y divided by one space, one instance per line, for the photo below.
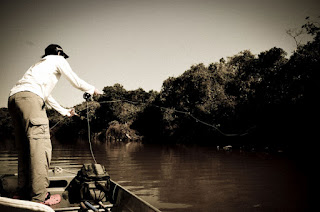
72 112
97 92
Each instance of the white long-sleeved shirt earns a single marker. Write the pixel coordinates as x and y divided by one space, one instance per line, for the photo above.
42 77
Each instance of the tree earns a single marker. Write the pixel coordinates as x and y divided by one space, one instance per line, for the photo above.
200 92
6 125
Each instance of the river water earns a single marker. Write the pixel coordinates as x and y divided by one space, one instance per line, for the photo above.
189 178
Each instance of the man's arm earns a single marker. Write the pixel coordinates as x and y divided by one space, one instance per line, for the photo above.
50 101
66 71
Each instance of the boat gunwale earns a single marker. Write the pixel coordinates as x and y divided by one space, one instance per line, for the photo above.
76 208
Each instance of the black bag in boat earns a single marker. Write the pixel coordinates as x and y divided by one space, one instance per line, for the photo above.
84 185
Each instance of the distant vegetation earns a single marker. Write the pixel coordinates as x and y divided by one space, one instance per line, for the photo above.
261 99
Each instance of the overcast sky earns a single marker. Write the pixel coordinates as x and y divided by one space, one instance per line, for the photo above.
139 43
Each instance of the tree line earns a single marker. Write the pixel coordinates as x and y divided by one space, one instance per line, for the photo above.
267 98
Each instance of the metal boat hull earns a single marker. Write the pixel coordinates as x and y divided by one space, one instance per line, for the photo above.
123 199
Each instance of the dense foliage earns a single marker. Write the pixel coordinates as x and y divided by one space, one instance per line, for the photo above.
6 125
265 98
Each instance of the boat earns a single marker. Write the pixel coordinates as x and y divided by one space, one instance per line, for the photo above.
227 148
117 199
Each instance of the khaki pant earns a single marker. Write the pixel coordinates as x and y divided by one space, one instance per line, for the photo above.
33 143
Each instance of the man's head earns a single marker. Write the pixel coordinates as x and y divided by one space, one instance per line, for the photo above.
54 49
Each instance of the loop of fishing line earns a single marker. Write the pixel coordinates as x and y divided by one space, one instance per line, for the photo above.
89 136
88 98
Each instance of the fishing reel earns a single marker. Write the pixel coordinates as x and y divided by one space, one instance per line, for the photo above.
87 97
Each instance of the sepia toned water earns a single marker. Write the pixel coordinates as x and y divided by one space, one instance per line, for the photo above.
188 178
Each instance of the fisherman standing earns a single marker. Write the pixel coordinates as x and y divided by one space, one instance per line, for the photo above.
27 101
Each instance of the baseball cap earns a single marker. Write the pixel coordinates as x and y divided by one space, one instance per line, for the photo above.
53 49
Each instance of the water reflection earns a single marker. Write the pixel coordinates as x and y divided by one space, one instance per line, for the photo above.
180 178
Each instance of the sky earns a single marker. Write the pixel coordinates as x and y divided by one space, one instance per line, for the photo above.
140 43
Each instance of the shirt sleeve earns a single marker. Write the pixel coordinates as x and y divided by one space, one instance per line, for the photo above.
50 101
65 69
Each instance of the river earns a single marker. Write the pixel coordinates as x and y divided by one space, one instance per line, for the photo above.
189 178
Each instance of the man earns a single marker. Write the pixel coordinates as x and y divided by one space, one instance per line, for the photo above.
27 100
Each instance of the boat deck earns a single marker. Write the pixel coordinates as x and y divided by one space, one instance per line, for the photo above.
124 200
